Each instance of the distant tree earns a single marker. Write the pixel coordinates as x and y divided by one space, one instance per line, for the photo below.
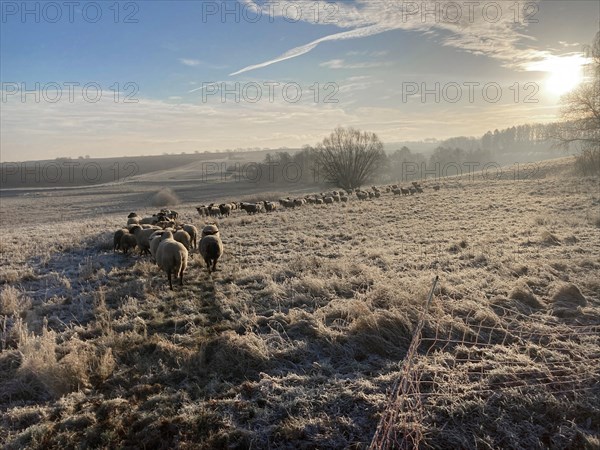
348 158
581 113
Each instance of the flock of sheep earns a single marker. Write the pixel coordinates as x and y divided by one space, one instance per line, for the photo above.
225 209
169 242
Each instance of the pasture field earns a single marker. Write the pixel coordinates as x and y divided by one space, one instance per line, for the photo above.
298 341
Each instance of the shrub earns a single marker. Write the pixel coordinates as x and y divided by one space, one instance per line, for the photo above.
165 197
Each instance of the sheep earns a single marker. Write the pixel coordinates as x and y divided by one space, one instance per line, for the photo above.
133 221
132 214
344 199
149 220
214 211
117 238
165 224
142 236
127 242
412 190
270 206
225 209
171 256
183 237
397 191
168 214
436 187
154 240
287 203
251 208
193 232
202 210
211 249
405 191
209 230
362 195
328 200
318 201
377 194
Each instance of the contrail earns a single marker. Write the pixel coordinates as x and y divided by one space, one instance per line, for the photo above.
301 50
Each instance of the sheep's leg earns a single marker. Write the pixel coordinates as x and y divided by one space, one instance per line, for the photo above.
214 268
169 277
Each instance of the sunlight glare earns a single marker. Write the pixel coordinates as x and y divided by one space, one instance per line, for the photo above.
564 73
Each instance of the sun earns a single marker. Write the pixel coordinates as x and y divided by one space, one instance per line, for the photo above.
564 73
563 79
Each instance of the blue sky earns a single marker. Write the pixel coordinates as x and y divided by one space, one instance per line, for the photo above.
366 55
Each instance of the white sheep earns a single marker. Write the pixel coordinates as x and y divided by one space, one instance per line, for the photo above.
193 232
142 236
183 237
154 241
171 256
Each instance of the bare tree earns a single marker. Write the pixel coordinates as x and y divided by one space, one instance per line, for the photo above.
581 112
348 158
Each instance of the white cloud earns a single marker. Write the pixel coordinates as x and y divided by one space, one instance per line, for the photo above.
341 64
190 62
480 28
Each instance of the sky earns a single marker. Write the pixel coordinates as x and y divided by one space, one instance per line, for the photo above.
134 78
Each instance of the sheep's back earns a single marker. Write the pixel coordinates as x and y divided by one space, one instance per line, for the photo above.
211 246
171 256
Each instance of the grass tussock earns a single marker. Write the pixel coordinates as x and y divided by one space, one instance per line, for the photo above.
165 197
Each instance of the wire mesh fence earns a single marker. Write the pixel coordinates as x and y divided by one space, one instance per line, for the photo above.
464 354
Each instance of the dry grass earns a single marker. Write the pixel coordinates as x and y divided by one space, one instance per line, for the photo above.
299 337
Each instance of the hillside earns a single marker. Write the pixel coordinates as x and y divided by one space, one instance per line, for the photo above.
299 339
